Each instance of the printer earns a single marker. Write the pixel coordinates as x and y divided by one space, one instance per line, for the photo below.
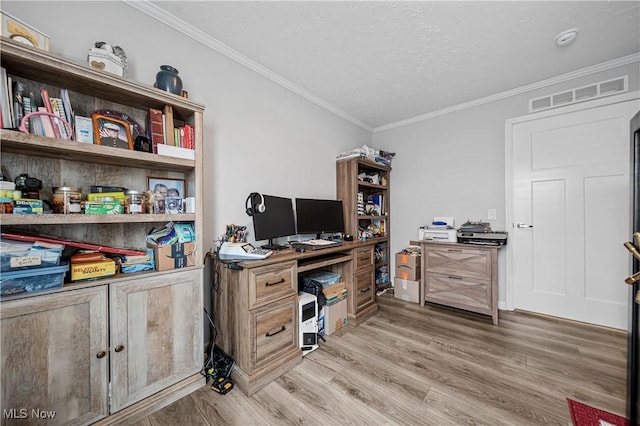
441 229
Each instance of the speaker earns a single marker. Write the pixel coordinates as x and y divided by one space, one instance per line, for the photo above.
252 208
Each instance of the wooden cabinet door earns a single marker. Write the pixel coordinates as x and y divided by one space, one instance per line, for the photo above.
156 334
54 358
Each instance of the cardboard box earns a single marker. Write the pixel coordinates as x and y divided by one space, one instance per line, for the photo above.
407 290
408 267
335 316
174 256
102 207
335 291
17 30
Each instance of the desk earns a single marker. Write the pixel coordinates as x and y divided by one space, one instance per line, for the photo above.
256 308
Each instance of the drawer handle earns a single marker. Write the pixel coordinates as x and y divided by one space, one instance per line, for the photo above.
283 328
453 277
458 250
101 354
268 284
119 348
364 290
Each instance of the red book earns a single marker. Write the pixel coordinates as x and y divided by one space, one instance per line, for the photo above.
155 128
47 105
189 135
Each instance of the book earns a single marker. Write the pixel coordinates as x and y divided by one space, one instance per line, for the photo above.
84 129
47 126
176 137
189 136
58 109
168 125
46 100
68 110
155 128
4 100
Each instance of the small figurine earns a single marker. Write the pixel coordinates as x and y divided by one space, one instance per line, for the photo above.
149 201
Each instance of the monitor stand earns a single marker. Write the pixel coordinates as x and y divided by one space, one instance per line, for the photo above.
272 246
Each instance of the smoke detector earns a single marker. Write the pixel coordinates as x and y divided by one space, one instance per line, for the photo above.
566 37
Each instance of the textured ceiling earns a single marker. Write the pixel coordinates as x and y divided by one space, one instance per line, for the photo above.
384 62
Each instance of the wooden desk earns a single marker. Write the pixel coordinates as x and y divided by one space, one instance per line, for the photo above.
256 307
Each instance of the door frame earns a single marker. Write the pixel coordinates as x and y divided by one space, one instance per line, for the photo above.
509 124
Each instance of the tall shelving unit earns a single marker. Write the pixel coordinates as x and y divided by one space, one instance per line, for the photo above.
125 345
358 181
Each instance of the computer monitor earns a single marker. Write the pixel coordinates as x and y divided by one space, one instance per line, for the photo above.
314 216
276 221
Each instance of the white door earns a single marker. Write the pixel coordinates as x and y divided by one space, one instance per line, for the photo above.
570 211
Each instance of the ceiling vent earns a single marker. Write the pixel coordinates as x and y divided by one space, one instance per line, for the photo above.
581 94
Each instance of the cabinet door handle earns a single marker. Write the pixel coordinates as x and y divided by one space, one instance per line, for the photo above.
283 328
101 354
268 284
364 290
453 277
119 348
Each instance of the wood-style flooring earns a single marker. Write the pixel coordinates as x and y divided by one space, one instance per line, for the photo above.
431 365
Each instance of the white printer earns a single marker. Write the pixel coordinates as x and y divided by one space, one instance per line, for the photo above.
440 229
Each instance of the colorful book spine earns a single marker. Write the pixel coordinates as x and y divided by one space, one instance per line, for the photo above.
155 128
46 100
58 109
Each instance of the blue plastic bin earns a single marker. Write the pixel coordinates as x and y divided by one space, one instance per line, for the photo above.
30 280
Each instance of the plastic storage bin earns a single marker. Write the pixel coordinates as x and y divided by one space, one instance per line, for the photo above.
16 256
30 280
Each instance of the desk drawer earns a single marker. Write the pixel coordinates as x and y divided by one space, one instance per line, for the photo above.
365 290
471 263
271 283
274 329
364 258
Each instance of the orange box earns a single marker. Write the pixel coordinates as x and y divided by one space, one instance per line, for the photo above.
408 267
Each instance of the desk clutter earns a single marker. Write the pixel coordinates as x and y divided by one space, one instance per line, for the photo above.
331 294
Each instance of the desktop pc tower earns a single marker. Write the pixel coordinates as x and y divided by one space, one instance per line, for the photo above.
308 318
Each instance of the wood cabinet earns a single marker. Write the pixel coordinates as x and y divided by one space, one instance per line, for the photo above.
362 294
256 319
462 276
149 324
364 188
55 356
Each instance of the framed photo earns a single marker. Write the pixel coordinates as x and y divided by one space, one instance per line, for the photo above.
110 131
166 191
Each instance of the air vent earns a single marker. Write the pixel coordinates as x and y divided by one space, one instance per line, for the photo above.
580 94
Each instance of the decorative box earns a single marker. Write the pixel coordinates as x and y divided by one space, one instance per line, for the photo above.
17 30
107 61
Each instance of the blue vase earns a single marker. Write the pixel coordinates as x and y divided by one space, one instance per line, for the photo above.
167 79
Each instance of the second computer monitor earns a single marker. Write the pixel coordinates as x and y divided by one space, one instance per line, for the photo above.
316 216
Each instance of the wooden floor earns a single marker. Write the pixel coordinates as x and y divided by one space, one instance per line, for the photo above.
413 365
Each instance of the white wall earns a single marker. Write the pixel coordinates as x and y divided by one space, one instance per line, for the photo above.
454 165
258 136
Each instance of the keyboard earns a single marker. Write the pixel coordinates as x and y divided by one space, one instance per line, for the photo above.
320 242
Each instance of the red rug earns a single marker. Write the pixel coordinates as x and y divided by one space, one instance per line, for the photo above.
585 415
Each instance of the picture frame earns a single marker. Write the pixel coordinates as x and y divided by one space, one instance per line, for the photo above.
111 131
166 189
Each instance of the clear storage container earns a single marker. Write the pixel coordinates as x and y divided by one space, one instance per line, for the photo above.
30 280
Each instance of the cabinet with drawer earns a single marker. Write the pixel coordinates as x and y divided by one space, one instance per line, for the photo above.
362 295
255 312
462 276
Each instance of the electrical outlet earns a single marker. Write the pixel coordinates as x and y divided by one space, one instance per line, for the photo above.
491 214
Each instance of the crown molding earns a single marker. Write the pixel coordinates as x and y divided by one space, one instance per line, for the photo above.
625 60
185 28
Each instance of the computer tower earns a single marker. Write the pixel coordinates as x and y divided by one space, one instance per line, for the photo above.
308 317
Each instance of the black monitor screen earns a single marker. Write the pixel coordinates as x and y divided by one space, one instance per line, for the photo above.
319 216
276 221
